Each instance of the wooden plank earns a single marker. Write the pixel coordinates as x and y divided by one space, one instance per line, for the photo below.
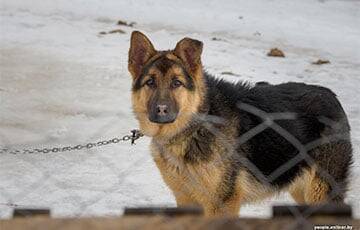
314 210
168 211
166 222
28 212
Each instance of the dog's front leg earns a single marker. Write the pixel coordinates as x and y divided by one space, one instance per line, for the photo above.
184 199
230 207
225 210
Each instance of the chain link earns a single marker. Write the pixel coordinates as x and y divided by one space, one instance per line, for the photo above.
135 134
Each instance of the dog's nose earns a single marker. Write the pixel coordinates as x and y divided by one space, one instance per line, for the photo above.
162 110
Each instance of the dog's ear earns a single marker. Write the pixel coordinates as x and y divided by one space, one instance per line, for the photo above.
141 50
189 50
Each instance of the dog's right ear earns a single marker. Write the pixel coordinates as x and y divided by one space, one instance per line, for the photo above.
141 50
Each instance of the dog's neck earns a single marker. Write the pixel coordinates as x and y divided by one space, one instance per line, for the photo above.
191 145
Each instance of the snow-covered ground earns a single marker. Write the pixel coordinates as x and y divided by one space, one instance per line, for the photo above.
62 83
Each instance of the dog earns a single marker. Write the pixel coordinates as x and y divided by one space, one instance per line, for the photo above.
220 145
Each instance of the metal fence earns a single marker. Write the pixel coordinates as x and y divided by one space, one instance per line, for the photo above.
269 121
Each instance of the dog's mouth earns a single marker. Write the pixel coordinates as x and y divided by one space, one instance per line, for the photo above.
169 118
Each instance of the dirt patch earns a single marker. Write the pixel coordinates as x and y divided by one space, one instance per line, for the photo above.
120 31
275 52
217 39
321 62
116 31
257 33
125 23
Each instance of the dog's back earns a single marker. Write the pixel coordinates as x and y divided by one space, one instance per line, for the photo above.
307 133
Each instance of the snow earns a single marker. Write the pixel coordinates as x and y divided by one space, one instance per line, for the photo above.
62 83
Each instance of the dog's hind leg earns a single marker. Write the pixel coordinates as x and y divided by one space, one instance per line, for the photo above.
326 181
316 190
297 193
329 177
309 188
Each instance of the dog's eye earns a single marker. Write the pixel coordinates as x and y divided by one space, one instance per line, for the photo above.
150 82
176 83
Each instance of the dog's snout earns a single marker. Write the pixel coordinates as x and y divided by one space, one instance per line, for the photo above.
162 110
162 113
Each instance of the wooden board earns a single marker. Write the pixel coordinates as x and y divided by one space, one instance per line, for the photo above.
166 222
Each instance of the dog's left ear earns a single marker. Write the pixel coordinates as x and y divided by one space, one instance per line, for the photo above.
189 50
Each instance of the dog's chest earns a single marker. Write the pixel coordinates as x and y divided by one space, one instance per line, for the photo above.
196 179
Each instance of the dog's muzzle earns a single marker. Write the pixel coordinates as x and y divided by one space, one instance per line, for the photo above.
162 114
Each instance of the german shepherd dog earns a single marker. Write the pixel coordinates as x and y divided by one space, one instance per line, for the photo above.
219 144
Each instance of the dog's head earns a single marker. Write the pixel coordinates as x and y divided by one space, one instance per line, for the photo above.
168 86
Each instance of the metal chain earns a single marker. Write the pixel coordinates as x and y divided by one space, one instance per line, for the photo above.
135 134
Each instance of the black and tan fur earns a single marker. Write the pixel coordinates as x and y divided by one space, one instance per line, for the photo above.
195 122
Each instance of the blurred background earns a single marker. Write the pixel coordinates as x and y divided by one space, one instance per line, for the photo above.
64 80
